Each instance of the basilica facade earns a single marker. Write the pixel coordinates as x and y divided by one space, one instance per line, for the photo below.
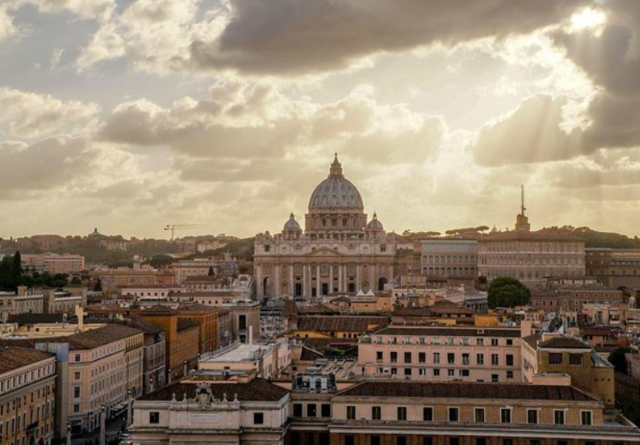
339 251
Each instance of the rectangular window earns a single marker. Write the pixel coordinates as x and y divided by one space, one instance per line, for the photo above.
258 418
555 358
379 355
494 378
376 413
494 342
494 359
532 416
436 358
453 414
585 416
427 414
76 375
76 392
407 357
465 359
312 410
451 372
505 415
480 359
402 413
77 357
509 342
325 410
394 357
407 372
351 412
509 374
479 341
349 440
575 359
154 417
479 415
436 373
558 417
509 360
297 410
422 357
464 372
451 358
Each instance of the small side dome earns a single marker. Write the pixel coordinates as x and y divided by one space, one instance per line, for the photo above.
374 224
292 224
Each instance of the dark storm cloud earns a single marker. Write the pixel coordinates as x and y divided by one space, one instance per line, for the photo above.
292 37
611 59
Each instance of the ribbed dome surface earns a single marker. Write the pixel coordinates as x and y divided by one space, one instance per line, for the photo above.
336 191
292 224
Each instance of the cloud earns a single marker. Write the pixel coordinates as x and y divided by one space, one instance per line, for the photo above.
34 115
531 133
47 164
292 37
251 121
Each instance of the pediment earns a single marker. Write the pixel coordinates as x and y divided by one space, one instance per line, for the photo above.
325 251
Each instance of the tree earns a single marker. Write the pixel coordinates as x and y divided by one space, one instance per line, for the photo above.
161 261
16 269
507 292
618 360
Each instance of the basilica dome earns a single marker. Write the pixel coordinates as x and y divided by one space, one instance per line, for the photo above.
291 224
336 191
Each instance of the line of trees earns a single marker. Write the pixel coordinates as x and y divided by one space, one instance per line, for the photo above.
12 275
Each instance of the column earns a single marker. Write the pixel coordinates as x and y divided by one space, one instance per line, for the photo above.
331 277
259 280
358 277
277 285
340 273
291 282
305 278
318 286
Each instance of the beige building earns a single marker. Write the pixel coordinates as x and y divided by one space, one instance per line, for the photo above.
455 258
21 302
101 366
53 263
27 396
248 411
339 250
442 354
530 256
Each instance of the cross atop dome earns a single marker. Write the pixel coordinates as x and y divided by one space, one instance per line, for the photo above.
336 167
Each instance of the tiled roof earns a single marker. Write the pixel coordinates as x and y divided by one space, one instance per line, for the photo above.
159 310
309 354
144 325
412 312
466 390
34 318
14 358
82 340
318 309
339 323
449 331
255 390
196 307
564 343
184 324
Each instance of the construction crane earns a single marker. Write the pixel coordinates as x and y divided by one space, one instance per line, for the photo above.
174 227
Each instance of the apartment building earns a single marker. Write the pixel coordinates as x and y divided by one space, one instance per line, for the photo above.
53 263
27 396
452 353
574 299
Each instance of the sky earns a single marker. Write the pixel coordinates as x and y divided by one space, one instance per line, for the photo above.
129 115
